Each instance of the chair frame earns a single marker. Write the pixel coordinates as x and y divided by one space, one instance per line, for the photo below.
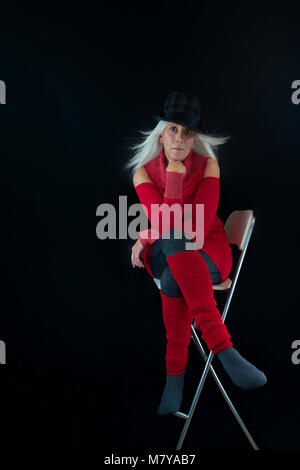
238 227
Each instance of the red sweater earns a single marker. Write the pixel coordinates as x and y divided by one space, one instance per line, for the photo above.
190 188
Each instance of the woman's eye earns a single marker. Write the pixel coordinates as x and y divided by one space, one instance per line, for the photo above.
187 131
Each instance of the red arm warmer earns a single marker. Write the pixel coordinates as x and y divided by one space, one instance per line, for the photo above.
208 193
149 195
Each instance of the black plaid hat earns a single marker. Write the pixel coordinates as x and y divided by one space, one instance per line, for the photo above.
182 108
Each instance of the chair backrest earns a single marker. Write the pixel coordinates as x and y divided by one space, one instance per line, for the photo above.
237 227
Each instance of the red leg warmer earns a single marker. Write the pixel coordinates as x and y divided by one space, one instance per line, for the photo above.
192 275
178 321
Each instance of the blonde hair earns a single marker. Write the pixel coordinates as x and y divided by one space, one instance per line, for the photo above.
150 146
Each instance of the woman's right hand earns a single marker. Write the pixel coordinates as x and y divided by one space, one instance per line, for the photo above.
176 166
137 254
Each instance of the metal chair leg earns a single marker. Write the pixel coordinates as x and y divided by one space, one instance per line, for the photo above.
188 417
195 400
221 388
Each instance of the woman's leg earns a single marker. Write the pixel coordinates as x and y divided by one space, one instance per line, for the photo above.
170 254
177 320
176 315
191 273
192 276
158 263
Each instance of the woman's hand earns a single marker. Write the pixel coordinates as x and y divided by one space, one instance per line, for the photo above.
176 166
137 253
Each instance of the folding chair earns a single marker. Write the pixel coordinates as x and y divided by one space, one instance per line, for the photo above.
238 228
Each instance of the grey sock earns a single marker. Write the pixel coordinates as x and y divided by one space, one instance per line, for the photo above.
172 395
242 373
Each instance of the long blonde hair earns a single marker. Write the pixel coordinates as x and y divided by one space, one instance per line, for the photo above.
150 146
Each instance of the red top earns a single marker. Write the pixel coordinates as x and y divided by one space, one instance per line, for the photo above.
170 189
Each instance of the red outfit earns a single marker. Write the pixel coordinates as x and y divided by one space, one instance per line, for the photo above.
195 189
178 320
188 268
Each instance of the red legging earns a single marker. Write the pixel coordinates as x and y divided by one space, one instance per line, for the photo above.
192 276
178 321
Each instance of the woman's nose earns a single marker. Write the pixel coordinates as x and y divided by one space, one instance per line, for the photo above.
179 136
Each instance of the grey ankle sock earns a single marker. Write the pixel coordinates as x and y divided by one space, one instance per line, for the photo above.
242 373
172 395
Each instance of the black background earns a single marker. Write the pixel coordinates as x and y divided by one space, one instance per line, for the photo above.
85 340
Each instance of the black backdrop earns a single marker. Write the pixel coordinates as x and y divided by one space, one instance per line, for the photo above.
84 336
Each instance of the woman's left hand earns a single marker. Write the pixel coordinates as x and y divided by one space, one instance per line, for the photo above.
137 253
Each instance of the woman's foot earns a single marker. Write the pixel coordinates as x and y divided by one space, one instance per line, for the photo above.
172 395
242 373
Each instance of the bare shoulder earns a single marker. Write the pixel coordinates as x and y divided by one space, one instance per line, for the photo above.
141 176
212 168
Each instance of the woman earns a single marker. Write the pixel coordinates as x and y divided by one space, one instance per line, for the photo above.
173 166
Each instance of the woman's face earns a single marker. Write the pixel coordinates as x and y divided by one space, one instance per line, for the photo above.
177 141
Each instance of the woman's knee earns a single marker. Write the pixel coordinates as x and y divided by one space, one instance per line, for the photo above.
175 241
157 260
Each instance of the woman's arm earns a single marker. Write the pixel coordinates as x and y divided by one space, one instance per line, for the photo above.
208 193
149 195
141 176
